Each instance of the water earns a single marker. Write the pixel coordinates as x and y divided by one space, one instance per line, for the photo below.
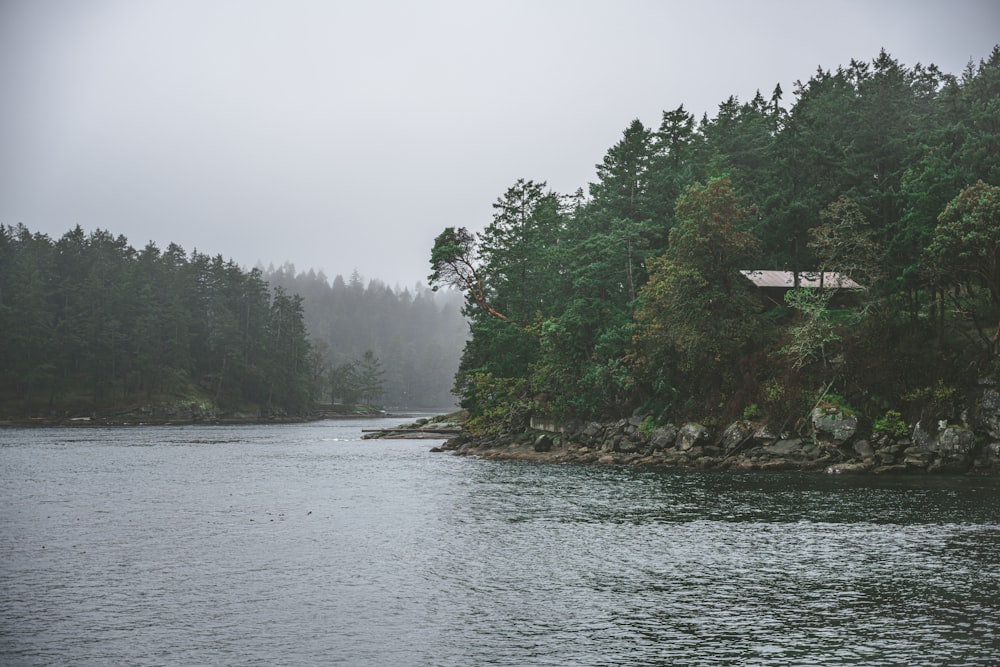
303 545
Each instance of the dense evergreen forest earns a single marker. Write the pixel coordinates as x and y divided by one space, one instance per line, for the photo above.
416 336
629 299
92 325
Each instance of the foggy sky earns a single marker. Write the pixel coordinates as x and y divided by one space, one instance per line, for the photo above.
347 135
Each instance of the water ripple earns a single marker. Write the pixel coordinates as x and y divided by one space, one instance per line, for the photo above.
305 545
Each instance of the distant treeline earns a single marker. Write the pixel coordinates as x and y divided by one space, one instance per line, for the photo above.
416 336
629 297
89 320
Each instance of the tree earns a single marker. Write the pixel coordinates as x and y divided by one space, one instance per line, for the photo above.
697 312
843 242
965 249
514 249
288 352
454 263
622 188
370 377
343 383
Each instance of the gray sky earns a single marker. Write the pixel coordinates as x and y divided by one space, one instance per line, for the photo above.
347 135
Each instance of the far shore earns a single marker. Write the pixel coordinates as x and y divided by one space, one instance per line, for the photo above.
139 418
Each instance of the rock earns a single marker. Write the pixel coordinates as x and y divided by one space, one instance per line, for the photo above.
592 432
630 445
734 435
994 450
887 455
956 443
833 424
543 443
766 433
663 437
923 439
864 450
690 435
950 442
784 447
852 468
917 456
989 412
888 470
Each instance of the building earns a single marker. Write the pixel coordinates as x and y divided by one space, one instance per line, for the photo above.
773 285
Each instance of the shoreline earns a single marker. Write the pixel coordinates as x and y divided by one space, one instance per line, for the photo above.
832 444
139 418
791 455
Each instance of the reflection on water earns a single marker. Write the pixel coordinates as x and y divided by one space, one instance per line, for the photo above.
302 544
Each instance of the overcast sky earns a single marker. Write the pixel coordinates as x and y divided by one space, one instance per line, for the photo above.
347 135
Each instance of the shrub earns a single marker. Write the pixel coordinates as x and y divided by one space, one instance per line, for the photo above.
647 427
891 424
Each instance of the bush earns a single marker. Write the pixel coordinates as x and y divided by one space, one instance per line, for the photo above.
940 402
832 400
891 424
647 427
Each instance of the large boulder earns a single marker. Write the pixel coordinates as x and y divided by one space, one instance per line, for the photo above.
989 412
766 433
925 438
834 424
691 435
592 433
662 437
543 443
734 435
956 443
949 443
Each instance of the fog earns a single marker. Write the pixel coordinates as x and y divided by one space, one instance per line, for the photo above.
344 136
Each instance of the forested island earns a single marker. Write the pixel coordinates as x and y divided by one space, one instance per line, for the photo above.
784 271
94 329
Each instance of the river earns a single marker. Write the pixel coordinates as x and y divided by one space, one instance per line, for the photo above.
304 545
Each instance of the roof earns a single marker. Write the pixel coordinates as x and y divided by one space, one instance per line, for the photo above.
786 279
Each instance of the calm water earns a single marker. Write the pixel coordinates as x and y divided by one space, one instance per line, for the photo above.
303 545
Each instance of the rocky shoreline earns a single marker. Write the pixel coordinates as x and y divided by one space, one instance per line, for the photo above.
832 443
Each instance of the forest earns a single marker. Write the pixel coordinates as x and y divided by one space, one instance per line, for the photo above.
629 299
417 336
92 326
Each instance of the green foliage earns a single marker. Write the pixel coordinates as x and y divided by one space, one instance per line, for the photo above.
844 242
752 412
812 336
500 405
934 403
835 401
966 246
90 314
633 297
696 313
360 380
891 424
647 427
